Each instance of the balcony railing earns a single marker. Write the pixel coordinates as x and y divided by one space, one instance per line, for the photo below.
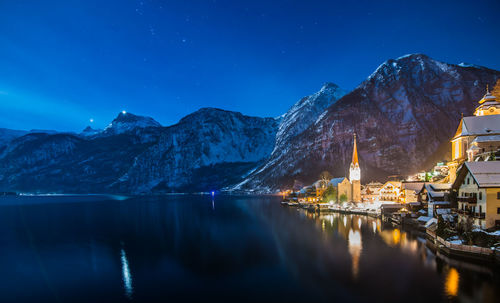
470 200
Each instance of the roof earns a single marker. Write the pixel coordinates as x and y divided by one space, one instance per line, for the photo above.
336 181
486 173
355 152
489 138
488 97
440 186
478 125
415 186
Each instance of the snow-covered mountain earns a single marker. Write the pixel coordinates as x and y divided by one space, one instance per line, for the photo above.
126 122
208 149
404 115
297 119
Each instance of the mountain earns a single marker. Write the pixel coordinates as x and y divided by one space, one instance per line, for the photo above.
7 135
208 149
126 122
404 114
297 119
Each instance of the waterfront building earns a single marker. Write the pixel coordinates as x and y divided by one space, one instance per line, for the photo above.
478 196
477 137
436 197
390 191
370 192
410 191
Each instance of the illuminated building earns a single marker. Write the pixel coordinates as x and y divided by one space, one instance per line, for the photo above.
477 136
390 191
478 186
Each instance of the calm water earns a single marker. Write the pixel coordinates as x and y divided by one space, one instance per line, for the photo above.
190 248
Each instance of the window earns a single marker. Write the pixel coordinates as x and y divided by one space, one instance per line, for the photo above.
498 210
468 180
498 195
480 196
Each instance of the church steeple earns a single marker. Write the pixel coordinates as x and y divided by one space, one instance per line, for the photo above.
489 104
354 171
355 152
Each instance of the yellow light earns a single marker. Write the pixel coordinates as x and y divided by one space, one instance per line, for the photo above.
451 283
396 236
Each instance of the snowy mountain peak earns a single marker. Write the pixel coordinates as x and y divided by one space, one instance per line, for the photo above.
125 122
89 131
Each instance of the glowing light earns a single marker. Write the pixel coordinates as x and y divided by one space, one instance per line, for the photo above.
355 246
451 283
91 120
127 277
124 112
213 193
374 225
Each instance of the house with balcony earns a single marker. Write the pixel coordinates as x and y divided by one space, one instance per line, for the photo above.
390 191
478 193
436 197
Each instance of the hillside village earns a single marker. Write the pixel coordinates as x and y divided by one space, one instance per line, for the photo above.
458 200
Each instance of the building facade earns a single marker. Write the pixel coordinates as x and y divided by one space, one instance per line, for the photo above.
478 136
478 193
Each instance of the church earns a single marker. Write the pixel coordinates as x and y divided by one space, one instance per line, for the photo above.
477 137
349 190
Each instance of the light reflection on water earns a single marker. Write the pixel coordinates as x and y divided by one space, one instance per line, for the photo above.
150 249
126 276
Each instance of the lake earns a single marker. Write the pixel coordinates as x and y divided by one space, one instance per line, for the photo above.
193 248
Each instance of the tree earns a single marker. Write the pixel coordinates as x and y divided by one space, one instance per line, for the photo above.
343 198
330 194
324 179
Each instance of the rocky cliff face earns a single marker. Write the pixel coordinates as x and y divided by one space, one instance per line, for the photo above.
402 114
206 150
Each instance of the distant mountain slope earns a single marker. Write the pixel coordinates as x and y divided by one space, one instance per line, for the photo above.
210 147
402 113
7 135
207 142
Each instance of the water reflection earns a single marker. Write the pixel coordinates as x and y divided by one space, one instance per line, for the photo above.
126 276
451 283
355 246
178 248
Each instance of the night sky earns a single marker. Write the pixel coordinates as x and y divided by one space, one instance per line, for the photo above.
65 62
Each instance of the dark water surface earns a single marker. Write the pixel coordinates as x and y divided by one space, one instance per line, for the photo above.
190 248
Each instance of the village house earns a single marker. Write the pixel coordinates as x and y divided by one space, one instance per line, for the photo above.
477 137
370 192
436 197
410 191
390 191
478 193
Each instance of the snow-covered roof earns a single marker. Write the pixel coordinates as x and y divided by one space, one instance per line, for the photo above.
440 186
431 222
424 219
486 173
336 181
415 186
443 211
479 125
489 138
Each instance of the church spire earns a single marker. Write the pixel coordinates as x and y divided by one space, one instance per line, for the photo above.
354 171
355 152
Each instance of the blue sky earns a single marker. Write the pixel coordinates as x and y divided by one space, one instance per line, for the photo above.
65 62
